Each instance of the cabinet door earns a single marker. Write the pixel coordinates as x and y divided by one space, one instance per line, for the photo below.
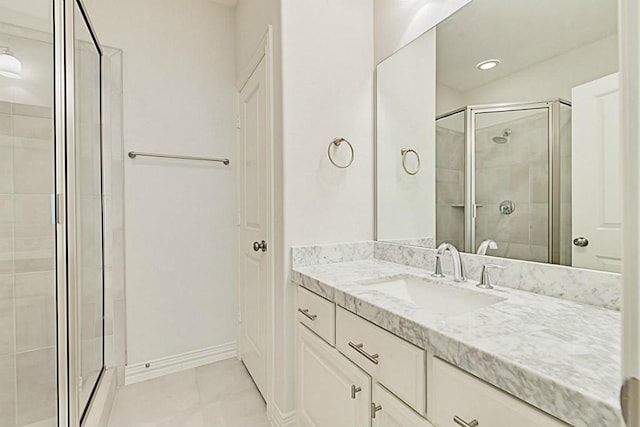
332 391
392 412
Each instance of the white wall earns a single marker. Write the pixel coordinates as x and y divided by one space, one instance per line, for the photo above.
550 79
448 99
179 97
398 23
327 92
406 98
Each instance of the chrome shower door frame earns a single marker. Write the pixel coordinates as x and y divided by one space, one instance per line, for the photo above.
470 210
70 414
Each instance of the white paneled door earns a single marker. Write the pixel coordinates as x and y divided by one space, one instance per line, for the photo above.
254 207
596 175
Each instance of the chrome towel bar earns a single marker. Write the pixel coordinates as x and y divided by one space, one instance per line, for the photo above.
134 154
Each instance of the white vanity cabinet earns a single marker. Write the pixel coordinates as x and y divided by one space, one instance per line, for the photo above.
391 412
457 395
331 391
390 360
373 378
317 313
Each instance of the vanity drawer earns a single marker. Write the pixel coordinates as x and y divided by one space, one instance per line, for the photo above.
455 393
398 365
317 313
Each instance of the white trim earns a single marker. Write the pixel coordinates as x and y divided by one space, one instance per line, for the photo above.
264 47
279 419
180 362
629 36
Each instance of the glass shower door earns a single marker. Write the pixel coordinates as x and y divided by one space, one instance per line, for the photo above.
89 208
511 176
28 342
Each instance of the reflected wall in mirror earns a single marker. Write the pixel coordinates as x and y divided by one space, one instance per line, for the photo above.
518 160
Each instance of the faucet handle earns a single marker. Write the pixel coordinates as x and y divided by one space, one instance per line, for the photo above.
485 279
438 271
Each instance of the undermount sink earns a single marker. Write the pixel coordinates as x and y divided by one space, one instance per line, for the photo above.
439 298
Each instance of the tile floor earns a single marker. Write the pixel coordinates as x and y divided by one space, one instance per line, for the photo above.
221 394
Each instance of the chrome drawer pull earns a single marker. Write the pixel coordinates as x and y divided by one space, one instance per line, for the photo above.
373 358
463 423
305 311
375 408
355 390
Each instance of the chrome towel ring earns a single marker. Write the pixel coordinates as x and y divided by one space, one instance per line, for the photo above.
336 142
404 153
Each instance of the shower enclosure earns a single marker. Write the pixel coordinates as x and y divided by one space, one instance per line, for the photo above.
52 287
503 173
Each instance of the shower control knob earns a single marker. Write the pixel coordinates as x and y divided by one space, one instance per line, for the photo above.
581 242
260 246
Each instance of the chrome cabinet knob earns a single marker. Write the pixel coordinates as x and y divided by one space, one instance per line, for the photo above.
581 242
260 246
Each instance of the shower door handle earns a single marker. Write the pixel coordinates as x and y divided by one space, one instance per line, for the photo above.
581 242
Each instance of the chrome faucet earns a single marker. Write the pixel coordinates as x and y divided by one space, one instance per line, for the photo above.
487 244
458 270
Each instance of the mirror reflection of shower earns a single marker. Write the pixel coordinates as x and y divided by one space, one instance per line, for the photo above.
505 152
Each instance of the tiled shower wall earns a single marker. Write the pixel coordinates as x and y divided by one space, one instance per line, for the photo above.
518 171
27 276
450 147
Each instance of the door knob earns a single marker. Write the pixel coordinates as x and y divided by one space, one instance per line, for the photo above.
262 246
581 242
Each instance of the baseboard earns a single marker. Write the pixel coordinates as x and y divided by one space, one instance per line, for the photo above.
180 362
279 419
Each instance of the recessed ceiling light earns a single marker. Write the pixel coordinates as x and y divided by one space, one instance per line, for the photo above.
488 64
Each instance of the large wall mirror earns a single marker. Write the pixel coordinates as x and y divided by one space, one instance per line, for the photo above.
508 143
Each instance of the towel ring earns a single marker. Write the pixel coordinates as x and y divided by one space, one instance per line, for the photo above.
337 142
404 153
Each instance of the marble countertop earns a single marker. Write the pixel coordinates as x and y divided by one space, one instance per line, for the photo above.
560 356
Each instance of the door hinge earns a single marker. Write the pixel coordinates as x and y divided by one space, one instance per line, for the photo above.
239 316
238 219
238 123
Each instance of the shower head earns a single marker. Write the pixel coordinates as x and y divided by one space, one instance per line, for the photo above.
504 138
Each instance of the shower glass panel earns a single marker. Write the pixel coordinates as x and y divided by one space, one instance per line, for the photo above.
28 344
89 228
450 176
512 182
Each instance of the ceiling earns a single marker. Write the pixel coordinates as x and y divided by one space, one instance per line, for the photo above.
518 32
